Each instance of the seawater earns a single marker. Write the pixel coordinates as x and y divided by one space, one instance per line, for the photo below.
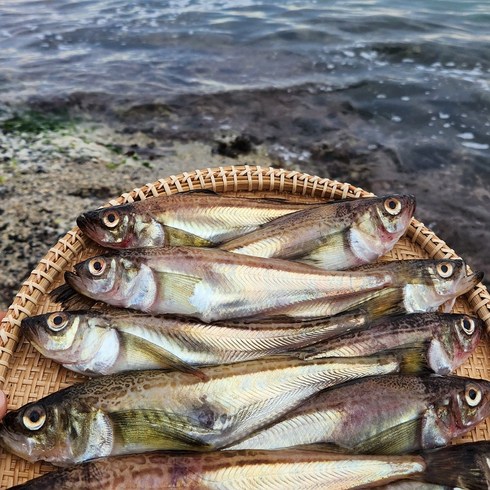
389 56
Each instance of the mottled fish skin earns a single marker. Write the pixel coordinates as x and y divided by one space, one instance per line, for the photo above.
261 470
148 410
384 415
197 218
450 339
338 236
213 285
104 342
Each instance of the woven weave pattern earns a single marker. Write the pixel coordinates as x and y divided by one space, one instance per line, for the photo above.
27 376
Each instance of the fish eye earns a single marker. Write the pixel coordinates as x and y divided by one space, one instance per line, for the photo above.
445 269
468 325
392 206
111 218
57 321
472 395
96 266
34 417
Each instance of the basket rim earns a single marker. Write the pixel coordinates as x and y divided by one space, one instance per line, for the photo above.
233 178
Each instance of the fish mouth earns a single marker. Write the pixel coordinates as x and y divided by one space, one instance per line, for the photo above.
73 279
29 328
470 281
477 277
410 203
86 223
13 442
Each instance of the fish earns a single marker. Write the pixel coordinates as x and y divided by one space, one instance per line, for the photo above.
391 414
261 470
196 218
462 466
341 235
214 285
450 339
98 342
138 411
418 285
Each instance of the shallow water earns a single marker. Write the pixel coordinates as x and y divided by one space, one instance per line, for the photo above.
389 95
422 65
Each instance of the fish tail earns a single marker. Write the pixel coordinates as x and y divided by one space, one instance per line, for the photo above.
463 465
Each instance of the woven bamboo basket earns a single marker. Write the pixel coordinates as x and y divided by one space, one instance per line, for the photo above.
26 376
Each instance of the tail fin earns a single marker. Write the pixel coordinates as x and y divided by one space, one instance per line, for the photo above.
463 465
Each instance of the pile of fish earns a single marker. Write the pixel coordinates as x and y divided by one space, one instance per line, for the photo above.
256 343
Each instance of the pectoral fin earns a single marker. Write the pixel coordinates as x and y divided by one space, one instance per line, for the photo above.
147 430
384 302
141 352
400 439
179 288
176 237
324 447
448 306
332 255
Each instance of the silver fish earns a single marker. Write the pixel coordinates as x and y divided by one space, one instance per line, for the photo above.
198 218
261 470
338 236
147 410
105 342
213 285
389 414
450 339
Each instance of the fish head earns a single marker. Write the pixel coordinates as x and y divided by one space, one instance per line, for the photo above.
431 283
112 278
450 279
456 405
471 404
54 431
467 332
394 213
65 336
454 339
120 227
379 224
